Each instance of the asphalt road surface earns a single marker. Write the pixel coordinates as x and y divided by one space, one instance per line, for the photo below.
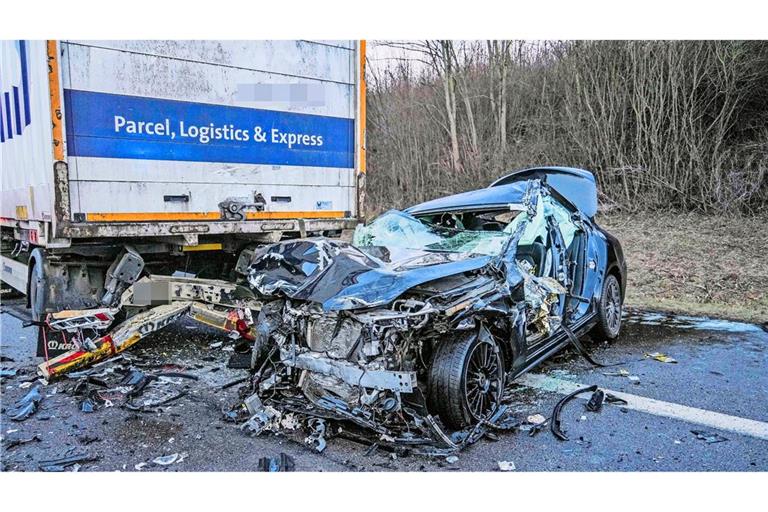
718 386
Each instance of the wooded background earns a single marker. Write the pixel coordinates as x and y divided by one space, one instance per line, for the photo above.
679 125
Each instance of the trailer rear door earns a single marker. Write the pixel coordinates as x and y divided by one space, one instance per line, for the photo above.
168 130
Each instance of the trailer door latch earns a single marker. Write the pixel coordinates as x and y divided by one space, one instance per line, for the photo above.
234 208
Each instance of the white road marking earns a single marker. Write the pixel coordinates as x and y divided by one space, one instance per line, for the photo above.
744 426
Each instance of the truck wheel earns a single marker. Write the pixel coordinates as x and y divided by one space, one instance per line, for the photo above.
466 380
609 310
36 285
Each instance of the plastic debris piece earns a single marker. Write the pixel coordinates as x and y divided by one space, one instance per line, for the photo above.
140 466
620 373
452 459
132 378
536 419
253 403
8 372
58 465
283 463
709 437
316 438
662 358
166 460
17 441
239 361
596 401
87 405
506 465
555 425
176 375
634 379
27 405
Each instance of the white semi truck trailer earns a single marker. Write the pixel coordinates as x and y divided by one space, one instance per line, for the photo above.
125 157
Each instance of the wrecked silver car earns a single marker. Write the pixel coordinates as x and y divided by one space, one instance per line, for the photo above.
427 313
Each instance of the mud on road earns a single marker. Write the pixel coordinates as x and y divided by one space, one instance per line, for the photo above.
718 388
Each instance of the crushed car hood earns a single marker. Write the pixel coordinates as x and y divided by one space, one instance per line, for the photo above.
340 276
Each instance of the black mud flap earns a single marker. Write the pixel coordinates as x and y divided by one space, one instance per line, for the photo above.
57 342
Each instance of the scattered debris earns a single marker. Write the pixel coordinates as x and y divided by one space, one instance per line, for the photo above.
26 406
506 465
87 439
149 405
59 465
87 405
452 459
18 441
620 373
235 382
708 437
595 402
8 372
534 424
555 425
167 460
662 358
239 361
283 463
316 438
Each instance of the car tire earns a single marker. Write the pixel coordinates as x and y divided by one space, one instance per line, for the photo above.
608 324
457 396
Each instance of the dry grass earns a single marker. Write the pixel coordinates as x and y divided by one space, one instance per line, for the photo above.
695 264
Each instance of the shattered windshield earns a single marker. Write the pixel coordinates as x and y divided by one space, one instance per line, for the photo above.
395 229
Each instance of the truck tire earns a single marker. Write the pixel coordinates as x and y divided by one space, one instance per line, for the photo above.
37 285
466 380
608 324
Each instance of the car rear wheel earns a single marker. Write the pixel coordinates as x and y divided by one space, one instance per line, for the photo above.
609 310
466 380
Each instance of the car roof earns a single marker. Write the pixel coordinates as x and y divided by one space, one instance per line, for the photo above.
575 186
500 196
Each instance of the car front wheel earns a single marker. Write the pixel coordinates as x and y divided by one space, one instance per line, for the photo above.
466 380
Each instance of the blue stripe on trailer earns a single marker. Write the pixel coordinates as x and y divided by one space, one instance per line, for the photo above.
2 123
119 126
8 126
17 108
25 82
